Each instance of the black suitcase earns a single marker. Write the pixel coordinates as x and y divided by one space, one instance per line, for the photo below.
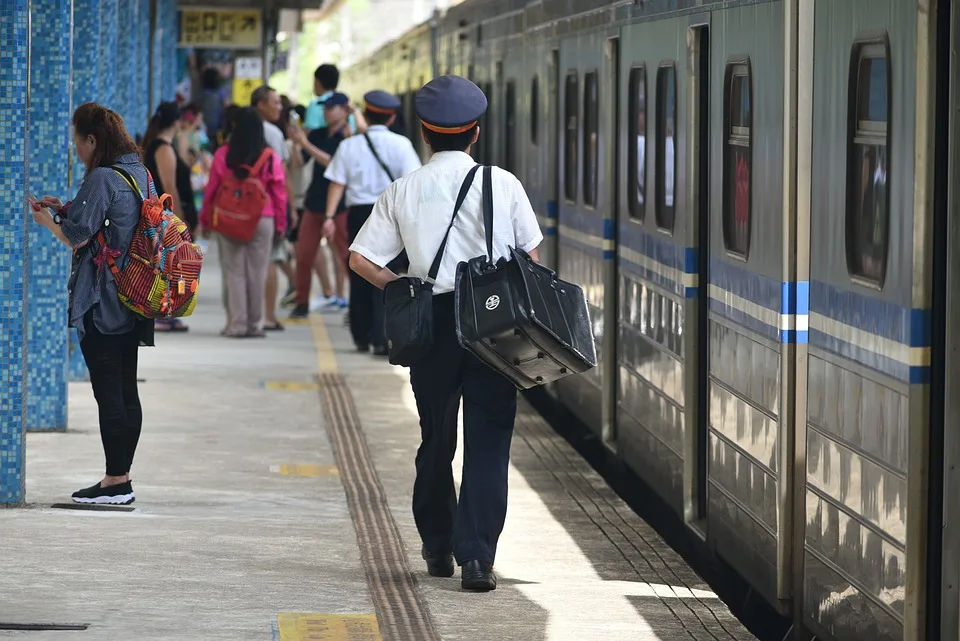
519 318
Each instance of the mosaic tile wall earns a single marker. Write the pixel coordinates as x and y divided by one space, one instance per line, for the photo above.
141 78
14 223
109 60
156 89
49 261
86 88
168 14
127 51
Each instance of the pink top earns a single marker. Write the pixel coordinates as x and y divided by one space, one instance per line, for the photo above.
272 177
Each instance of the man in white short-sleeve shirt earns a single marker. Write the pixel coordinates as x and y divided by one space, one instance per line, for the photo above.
413 214
359 172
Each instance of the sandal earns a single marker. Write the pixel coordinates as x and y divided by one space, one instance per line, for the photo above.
275 327
175 325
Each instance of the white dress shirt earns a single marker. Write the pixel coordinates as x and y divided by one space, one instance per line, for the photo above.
276 141
413 214
355 166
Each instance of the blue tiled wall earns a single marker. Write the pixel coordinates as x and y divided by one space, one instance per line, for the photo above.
14 223
168 14
49 261
86 88
127 51
141 78
156 71
109 61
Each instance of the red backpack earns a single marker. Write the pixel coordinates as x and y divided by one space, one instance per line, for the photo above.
239 203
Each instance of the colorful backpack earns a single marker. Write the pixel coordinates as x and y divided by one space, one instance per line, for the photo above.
161 273
239 203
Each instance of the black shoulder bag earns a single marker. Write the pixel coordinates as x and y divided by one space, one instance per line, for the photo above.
408 302
373 150
517 317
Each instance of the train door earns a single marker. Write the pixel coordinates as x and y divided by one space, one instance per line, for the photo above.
552 128
696 306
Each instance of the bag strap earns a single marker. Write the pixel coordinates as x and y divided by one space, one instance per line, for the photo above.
488 210
257 168
373 150
464 189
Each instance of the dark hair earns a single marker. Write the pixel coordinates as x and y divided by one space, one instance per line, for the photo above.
210 79
328 76
246 142
376 117
166 115
106 127
449 142
260 94
301 111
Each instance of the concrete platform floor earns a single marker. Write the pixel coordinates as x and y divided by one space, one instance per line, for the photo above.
240 515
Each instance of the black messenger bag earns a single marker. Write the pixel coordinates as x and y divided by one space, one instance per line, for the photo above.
518 317
408 302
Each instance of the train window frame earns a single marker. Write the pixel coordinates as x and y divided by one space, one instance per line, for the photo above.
510 126
864 133
535 110
591 124
571 134
637 80
660 142
737 136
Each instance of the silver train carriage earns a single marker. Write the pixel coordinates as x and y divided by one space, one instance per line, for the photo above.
755 196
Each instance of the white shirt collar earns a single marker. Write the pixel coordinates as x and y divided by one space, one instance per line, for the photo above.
453 157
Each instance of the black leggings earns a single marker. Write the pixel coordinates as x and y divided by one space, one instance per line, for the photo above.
112 362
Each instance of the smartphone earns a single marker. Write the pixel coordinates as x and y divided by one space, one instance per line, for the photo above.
33 201
294 118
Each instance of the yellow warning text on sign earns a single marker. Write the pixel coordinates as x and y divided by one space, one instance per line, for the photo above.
307 470
243 91
300 626
221 28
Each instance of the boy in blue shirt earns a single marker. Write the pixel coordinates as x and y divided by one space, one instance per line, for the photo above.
325 81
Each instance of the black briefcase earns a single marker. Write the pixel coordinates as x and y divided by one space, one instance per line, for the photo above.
518 317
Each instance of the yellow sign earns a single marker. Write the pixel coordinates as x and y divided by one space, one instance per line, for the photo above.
243 91
221 28
301 626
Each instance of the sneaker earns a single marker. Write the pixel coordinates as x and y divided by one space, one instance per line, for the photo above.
300 311
114 495
342 303
323 303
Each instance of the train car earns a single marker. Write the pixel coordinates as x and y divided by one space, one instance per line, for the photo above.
756 197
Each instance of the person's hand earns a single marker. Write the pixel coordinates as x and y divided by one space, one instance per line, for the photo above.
52 202
297 134
329 228
294 219
41 216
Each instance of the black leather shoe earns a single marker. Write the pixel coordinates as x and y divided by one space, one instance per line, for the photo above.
440 565
477 577
380 351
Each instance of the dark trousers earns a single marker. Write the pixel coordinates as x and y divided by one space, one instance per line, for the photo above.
366 301
112 362
470 529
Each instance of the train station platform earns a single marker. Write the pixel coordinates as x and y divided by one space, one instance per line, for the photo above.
273 484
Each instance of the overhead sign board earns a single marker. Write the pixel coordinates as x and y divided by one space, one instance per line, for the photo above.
221 28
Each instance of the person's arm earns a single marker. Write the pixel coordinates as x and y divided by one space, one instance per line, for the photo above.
334 196
370 271
359 120
85 217
279 194
296 158
217 170
166 159
311 150
526 227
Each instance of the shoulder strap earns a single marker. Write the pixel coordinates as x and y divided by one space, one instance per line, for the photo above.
464 189
373 150
488 210
265 155
129 180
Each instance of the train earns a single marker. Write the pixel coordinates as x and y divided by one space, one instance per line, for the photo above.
759 200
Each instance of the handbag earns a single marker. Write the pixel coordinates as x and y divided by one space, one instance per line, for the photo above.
517 317
408 302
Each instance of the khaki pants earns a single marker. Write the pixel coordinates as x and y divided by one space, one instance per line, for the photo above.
245 271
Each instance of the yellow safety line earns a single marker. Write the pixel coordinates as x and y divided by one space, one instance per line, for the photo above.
313 626
306 470
326 358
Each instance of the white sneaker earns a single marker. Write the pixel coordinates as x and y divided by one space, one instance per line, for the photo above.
323 303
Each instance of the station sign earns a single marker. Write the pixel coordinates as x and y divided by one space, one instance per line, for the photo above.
217 28
247 76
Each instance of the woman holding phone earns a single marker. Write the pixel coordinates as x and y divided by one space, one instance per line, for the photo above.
110 333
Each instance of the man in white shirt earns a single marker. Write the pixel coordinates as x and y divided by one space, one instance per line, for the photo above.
361 169
268 104
413 214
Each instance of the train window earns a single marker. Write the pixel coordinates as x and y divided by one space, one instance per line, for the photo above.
868 202
637 145
591 130
534 110
666 158
510 139
737 160
571 153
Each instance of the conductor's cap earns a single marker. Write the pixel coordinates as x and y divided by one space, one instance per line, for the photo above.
450 105
381 102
